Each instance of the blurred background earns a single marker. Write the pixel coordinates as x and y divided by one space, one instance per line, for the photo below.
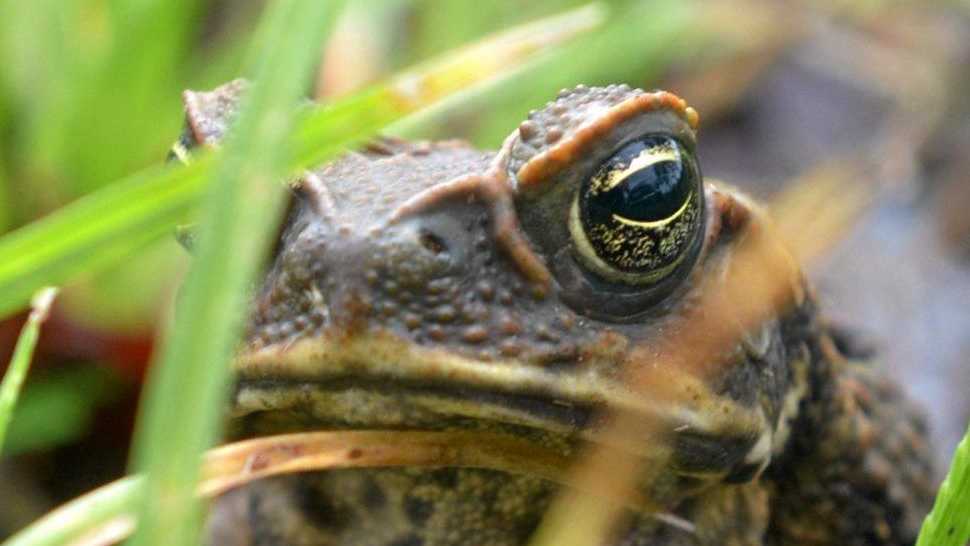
848 93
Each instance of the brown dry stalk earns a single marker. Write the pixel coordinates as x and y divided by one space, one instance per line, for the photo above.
111 532
762 277
759 275
820 205
237 464
492 55
242 462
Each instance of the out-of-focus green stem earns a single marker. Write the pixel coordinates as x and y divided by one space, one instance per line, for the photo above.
186 390
13 380
102 228
949 522
83 514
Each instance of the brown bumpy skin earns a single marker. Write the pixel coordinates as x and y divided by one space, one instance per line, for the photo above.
859 472
433 286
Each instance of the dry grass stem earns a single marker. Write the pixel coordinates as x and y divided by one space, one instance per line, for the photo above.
762 277
242 462
237 464
465 66
111 532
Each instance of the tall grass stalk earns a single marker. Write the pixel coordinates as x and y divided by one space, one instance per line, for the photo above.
108 225
104 227
949 522
13 379
77 518
182 406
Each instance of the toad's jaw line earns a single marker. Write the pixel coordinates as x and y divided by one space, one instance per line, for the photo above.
334 400
499 391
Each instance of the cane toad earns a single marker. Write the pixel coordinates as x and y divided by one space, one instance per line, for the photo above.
434 286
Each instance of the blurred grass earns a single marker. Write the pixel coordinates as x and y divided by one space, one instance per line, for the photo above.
948 524
100 229
86 99
13 379
639 41
122 84
103 228
230 250
58 407
244 202
78 84
76 519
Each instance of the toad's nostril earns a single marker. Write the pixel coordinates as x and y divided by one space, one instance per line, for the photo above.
432 242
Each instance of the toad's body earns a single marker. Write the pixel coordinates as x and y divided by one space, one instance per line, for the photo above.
434 286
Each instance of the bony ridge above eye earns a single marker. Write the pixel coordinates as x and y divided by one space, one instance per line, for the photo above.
637 216
618 255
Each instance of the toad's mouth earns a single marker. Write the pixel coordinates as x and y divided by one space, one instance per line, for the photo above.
382 381
373 402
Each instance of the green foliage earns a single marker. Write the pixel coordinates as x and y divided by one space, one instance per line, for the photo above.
183 404
97 230
123 85
57 407
949 522
104 103
76 518
239 213
637 42
111 224
13 379
89 93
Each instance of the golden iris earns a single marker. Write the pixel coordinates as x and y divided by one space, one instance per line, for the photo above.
641 210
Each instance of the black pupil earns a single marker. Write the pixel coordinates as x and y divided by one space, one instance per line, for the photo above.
654 192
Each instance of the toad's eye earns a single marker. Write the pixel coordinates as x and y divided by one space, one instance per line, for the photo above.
638 217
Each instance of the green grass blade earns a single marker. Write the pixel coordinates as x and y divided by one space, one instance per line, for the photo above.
59 406
638 40
102 228
127 90
949 522
13 380
74 519
96 231
133 202
442 78
239 213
